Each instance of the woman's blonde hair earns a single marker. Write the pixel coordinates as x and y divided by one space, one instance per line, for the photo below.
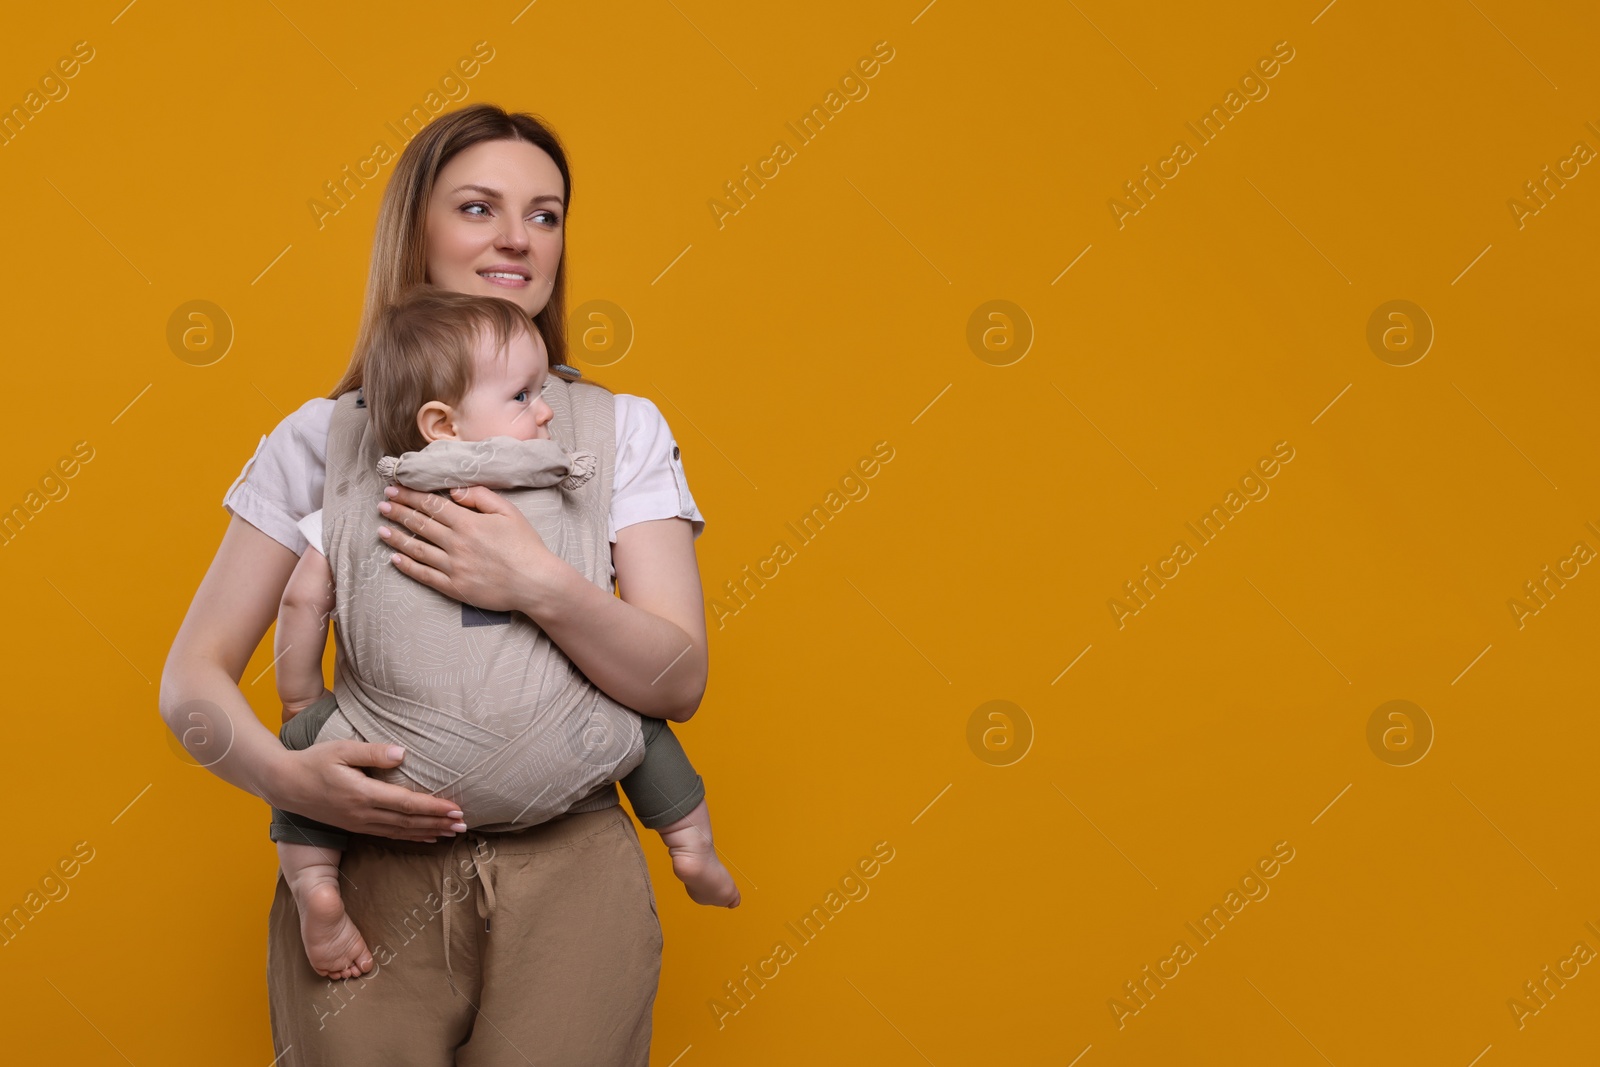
399 247
424 348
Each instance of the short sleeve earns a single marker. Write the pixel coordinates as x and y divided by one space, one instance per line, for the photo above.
282 482
311 529
649 480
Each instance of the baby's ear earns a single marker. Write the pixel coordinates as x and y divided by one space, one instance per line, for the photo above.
436 421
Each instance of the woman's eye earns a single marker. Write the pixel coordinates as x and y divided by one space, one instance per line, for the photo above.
549 218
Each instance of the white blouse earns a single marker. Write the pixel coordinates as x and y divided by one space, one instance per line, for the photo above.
282 482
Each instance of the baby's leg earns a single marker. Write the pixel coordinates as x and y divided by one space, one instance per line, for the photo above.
669 797
695 861
308 853
334 946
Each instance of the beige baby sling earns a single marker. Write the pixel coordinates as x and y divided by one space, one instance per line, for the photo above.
491 713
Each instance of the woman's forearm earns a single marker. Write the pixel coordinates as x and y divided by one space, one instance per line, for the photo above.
217 726
637 658
199 697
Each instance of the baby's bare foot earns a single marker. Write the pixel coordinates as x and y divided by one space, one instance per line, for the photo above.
334 946
695 861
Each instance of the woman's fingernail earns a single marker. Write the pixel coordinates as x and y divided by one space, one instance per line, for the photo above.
459 827
390 490
396 752
453 815
385 507
383 531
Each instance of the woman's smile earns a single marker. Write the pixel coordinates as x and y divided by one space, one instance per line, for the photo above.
507 276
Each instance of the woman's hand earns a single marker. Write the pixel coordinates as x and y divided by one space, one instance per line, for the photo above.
484 553
325 782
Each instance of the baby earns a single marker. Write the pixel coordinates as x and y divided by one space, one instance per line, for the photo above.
482 367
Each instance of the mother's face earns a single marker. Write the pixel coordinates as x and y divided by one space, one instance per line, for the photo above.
497 208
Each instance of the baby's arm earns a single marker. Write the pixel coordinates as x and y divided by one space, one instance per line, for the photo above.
302 632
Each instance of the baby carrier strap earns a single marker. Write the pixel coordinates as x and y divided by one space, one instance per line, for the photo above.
351 461
586 418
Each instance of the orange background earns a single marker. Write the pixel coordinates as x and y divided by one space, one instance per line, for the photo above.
831 313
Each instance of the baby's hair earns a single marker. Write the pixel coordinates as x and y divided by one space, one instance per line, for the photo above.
422 349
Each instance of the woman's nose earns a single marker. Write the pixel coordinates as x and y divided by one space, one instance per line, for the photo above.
514 235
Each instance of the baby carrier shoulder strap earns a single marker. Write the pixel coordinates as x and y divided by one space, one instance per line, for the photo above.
585 418
351 460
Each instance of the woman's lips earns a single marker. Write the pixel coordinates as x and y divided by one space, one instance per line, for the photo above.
508 281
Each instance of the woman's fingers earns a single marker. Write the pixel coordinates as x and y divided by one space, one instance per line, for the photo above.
425 574
415 547
385 822
406 813
481 499
411 828
481 560
367 754
434 811
410 524
400 828
378 807
424 514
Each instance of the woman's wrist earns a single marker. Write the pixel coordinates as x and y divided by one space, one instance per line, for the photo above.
543 590
550 591
275 776
620 647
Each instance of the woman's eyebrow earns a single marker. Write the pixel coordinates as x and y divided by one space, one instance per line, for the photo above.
496 195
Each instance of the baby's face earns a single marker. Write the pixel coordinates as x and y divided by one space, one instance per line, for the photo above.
506 399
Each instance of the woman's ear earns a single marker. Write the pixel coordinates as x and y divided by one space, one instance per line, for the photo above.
437 422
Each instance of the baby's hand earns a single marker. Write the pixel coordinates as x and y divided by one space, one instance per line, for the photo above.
291 708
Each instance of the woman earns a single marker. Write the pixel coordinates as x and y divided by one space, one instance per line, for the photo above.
476 203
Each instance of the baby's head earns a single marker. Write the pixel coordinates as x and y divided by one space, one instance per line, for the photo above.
447 365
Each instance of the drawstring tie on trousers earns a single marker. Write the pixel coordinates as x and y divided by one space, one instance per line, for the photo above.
485 899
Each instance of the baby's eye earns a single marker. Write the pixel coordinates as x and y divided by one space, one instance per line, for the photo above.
521 397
